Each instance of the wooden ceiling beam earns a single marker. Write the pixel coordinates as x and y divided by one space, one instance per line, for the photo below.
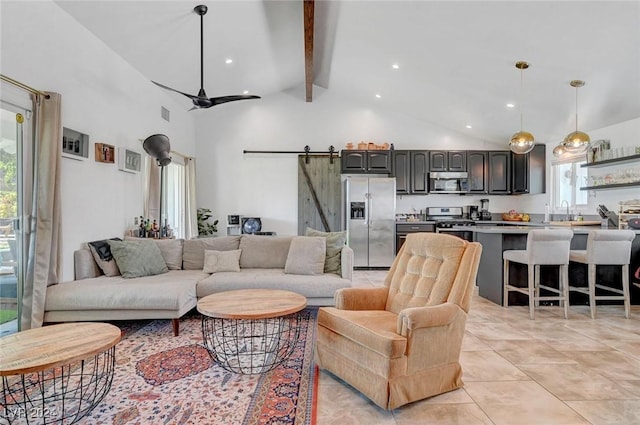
309 6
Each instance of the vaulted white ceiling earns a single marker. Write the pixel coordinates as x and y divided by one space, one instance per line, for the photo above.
456 59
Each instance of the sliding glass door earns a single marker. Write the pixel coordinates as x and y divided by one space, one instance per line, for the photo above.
15 131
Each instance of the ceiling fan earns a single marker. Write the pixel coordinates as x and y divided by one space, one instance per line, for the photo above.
201 101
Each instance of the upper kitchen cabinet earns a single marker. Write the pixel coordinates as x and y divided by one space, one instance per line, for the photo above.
419 172
499 164
361 161
477 171
528 171
448 161
400 171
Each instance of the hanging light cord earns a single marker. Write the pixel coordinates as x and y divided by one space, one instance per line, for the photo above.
576 108
521 89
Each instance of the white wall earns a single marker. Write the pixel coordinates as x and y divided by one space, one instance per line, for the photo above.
266 185
102 96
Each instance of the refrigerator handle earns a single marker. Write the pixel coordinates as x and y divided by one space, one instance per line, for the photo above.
368 212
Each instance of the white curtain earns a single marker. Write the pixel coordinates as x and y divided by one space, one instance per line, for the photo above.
190 216
42 231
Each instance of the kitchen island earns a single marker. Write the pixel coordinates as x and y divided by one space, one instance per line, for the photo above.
497 239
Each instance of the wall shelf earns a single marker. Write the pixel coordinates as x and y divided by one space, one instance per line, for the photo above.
614 161
611 186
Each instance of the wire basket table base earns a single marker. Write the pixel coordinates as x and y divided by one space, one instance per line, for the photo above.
252 346
62 395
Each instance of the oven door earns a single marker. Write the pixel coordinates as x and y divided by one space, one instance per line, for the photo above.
467 235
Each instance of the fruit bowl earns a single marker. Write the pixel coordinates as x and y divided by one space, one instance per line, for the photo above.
515 216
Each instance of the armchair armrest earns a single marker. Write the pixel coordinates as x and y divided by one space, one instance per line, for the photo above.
346 262
411 319
361 298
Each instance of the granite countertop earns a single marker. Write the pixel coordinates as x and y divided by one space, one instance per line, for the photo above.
525 229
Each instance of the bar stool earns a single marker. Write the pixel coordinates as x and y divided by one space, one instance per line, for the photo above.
605 247
544 247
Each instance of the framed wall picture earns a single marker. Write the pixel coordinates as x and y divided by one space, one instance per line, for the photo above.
129 160
75 145
105 153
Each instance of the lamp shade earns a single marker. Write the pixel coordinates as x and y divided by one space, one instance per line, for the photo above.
157 146
576 142
559 150
522 142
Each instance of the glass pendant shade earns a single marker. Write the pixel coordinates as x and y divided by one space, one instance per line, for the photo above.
559 150
522 142
576 142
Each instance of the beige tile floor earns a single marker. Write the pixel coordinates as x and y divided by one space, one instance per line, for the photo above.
517 371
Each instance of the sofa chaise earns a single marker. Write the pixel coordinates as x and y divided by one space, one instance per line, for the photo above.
277 262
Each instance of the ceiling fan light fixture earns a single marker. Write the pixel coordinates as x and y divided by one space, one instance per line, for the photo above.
576 141
522 141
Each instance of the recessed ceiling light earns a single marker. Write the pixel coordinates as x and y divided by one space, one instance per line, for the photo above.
245 92
378 95
468 126
395 66
228 61
510 105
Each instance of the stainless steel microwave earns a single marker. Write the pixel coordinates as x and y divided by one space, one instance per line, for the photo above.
448 182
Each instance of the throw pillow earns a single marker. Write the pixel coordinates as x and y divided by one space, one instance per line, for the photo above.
221 261
138 258
335 242
101 252
171 250
306 255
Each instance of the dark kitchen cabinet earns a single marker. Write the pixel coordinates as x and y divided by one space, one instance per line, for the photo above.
528 171
360 161
448 161
419 172
477 171
400 171
499 164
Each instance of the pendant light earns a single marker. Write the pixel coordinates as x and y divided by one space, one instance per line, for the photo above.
576 142
559 150
521 142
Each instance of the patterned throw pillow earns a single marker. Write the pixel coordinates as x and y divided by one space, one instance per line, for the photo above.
221 261
335 242
101 252
138 258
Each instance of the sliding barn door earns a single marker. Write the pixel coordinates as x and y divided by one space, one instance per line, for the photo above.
319 194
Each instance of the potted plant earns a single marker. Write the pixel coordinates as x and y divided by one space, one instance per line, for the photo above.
204 227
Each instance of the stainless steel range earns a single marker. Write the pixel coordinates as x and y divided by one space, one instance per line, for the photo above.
447 217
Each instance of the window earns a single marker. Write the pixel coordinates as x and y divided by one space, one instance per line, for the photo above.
175 196
567 177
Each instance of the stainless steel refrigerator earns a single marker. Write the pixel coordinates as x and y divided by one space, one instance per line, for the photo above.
370 208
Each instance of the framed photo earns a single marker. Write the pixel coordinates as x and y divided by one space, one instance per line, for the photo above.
105 153
75 145
129 160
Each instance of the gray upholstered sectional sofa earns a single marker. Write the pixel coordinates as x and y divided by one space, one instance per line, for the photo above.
263 261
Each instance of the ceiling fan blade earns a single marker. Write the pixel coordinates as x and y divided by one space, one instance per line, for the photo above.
190 96
224 99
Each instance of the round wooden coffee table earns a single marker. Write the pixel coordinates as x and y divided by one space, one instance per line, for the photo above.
56 374
252 330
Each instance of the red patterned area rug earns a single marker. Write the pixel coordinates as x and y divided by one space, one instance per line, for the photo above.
162 379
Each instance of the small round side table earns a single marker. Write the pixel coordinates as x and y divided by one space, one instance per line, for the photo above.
56 374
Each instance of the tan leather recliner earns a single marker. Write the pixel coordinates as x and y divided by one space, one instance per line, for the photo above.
401 342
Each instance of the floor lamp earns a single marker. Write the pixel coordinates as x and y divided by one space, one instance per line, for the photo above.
158 147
